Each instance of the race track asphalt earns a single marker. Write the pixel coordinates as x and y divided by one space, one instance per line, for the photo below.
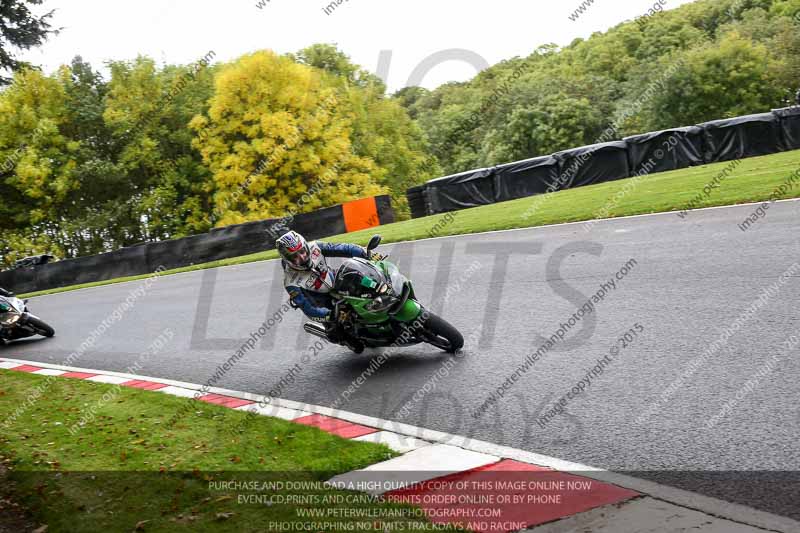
696 349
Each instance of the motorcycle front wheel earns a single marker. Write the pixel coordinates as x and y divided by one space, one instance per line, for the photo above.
440 333
41 327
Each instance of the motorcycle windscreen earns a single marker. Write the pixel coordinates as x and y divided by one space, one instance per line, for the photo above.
10 304
359 279
8 312
395 277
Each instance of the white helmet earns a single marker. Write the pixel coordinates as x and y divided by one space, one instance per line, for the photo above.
294 250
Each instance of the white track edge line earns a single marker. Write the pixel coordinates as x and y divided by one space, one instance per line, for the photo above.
706 504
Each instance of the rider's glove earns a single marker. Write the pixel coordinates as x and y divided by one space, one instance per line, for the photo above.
375 256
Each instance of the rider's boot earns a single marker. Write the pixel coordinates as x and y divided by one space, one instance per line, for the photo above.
355 345
338 335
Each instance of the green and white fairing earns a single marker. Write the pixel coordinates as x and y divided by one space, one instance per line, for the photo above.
376 304
377 291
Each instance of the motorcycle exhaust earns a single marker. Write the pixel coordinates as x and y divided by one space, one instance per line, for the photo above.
316 330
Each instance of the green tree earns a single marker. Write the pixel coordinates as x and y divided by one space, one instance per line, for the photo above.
708 59
36 162
731 77
408 97
20 30
149 110
329 58
77 152
384 133
382 129
555 122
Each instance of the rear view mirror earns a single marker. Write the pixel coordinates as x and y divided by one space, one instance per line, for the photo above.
374 242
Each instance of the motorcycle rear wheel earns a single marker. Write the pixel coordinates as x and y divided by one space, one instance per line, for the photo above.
41 327
443 335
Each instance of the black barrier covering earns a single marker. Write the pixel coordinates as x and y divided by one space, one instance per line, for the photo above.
321 223
18 280
592 164
120 263
417 202
789 118
459 191
220 243
524 178
666 150
719 140
34 260
385 210
740 137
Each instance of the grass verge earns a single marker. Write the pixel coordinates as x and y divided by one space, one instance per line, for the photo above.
125 470
752 180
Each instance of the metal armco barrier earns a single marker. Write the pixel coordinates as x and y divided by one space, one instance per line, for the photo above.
648 153
219 243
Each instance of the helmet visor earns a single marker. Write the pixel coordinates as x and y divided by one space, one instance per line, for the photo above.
299 257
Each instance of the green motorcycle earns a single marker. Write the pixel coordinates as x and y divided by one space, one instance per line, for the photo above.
376 304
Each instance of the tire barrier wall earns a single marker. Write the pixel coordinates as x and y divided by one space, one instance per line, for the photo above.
666 150
416 201
220 243
592 164
740 137
468 189
525 178
790 126
648 153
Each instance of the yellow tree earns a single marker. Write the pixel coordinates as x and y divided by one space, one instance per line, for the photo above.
278 141
37 164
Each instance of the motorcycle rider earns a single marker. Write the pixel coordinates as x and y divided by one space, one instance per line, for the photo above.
3 309
308 279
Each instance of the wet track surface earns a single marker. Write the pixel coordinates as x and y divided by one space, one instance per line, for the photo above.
690 285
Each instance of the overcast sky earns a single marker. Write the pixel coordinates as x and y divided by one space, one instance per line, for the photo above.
182 31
